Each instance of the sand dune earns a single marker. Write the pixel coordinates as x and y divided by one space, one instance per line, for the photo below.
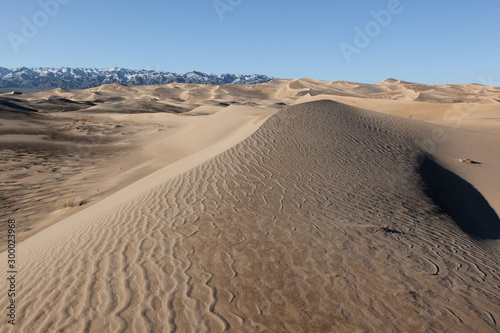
54 165
326 218
182 97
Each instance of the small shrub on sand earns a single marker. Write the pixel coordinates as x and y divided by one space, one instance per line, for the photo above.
25 228
70 203
468 161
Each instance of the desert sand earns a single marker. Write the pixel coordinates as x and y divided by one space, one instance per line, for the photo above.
291 206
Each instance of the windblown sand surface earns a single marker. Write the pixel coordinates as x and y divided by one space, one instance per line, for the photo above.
327 218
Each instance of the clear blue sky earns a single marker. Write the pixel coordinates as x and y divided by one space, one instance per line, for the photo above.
426 41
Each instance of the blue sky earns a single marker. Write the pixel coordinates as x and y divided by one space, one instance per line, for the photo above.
424 41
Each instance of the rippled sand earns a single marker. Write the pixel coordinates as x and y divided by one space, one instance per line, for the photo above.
326 218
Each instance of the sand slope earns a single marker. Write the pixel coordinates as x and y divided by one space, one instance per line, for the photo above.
51 160
323 220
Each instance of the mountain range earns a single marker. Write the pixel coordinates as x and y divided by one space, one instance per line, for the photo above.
32 79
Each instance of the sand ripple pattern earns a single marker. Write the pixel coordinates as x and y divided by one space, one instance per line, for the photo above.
281 233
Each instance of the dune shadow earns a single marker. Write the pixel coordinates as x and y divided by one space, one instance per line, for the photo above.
7 105
460 200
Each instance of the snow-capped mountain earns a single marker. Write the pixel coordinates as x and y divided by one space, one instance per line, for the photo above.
4 71
40 78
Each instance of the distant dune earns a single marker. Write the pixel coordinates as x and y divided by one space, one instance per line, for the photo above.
282 207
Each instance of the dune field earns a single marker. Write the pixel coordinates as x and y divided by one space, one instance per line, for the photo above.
288 206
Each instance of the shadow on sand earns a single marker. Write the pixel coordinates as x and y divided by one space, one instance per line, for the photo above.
460 200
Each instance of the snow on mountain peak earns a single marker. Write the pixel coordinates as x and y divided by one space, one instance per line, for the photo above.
46 78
